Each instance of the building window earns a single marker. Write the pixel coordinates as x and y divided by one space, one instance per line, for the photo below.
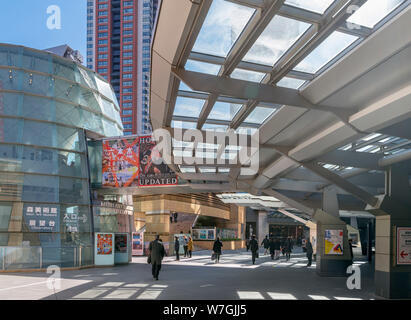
130 10
127 112
128 47
102 13
128 3
103 41
127 32
127 133
102 34
103 27
103 6
102 70
128 25
128 18
127 54
127 126
102 49
102 56
127 119
128 97
127 83
127 76
127 104
102 63
102 20
127 69
127 90
128 61
127 39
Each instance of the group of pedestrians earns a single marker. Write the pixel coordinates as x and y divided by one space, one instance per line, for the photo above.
272 245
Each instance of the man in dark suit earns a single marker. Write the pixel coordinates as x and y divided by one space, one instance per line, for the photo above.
254 249
309 248
157 254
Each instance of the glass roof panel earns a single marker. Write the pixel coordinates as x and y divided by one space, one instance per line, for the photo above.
207 170
259 115
223 170
280 34
184 87
183 124
246 130
216 127
247 75
291 83
325 52
202 67
373 11
224 23
318 6
188 107
224 111
187 169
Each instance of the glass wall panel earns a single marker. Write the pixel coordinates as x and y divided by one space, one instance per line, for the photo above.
38 108
5 213
37 84
11 79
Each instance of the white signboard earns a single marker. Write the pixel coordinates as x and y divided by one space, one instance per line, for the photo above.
404 246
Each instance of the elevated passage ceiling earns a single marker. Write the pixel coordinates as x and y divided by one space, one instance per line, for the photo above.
325 85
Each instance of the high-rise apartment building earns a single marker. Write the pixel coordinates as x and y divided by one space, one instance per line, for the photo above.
118 48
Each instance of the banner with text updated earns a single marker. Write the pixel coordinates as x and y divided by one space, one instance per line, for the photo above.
134 162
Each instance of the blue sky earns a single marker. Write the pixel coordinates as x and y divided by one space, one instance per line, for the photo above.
24 22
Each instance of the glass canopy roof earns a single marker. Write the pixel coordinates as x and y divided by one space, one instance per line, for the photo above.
275 46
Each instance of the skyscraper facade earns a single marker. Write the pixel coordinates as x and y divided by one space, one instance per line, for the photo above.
118 44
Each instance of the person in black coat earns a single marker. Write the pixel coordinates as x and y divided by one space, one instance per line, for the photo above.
217 249
157 254
309 248
254 249
177 248
288 248
277 248
272 248
266 244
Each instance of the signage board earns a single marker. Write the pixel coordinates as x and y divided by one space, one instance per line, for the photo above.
104 243
403 246
42 218
134 162
137 243
334 242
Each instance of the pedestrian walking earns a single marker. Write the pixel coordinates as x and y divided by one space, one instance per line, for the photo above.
190 246
254 249
272 248
266 244
351 252
309 251
288 248
217 249
247 244
177 248
277 248
156 255
185 246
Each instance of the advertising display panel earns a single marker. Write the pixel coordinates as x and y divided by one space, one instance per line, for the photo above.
134 162
334 242
137 243
103 252
404 246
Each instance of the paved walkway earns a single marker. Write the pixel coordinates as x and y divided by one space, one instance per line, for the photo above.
190 279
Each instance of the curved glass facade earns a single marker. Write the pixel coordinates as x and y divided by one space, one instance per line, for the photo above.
47 104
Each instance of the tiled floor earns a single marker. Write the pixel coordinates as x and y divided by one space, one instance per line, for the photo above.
235 277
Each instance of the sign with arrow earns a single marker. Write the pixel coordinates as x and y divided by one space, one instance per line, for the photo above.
403 246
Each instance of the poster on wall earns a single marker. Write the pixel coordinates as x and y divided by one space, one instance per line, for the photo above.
120 243
42 218
137 243
334 242
404 246
133 162
153 171
104 243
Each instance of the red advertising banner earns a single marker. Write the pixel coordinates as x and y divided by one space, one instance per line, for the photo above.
134 162
104 243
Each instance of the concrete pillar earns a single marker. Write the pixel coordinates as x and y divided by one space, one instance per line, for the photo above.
158 223
328 263
262 226
393 279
